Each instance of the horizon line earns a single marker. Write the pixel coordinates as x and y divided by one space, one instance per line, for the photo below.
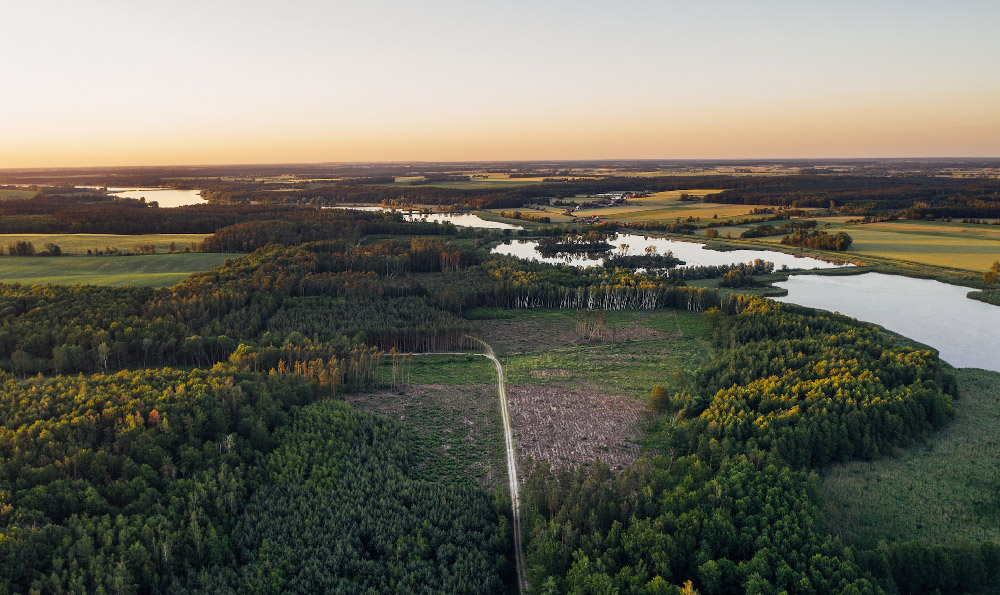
482 161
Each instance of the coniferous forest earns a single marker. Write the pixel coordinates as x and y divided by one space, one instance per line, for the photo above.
195 438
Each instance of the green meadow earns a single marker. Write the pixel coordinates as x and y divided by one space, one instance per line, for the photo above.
638 350
156 270
946 489
10 194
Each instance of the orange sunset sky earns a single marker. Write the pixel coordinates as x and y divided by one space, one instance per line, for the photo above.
137 83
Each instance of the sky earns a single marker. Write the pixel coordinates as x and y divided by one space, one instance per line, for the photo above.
137 82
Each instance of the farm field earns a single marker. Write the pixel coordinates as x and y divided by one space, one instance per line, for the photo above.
667 206
969 247
79 243
11 194
949 486
555 214
974 253
156 270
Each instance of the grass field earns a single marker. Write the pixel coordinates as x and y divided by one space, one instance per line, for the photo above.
16 194
79 243
933 493
640 350
448 369
458 427
158 270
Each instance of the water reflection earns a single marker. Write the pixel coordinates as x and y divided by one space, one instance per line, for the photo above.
165 197
461 220
692 253
458 219
964 331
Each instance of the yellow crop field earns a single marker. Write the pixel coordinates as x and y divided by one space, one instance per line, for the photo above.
667 206
967 247
969 253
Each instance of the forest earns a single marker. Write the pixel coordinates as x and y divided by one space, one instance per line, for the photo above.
195 438
159 479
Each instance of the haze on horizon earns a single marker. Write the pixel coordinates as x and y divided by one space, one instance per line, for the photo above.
254 81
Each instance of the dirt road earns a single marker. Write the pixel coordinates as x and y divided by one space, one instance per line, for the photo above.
508 439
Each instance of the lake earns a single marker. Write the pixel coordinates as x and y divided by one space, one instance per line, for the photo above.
461 220
964 331
457 219
165 197
692 253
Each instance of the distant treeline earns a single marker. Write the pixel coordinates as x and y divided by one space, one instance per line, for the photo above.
525 216
102 214
237 228
871 192
819 240
351 192
762 231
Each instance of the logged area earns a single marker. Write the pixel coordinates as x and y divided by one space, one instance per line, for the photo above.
579 383
457 427
569 428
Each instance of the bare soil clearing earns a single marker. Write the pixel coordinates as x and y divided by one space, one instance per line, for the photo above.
574 427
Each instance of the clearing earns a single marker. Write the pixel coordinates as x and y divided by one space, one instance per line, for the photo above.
949 487
635 351
156 270
548 425
574 398
457 426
